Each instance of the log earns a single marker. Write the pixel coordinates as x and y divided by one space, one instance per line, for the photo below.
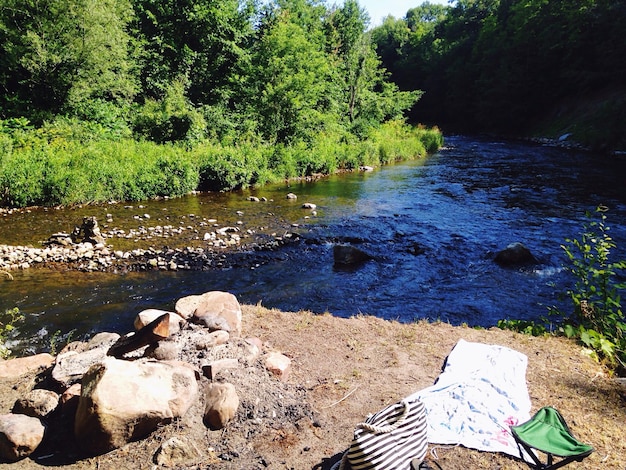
153 332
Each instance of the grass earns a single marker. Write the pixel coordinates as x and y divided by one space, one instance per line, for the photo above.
64 165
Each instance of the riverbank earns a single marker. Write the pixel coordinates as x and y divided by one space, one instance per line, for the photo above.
347 368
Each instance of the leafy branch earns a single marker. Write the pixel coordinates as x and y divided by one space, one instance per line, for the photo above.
597 319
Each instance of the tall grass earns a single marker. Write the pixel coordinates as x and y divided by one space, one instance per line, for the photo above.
53 174
77 163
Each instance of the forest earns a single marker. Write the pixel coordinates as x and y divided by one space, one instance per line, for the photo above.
132 99
514 67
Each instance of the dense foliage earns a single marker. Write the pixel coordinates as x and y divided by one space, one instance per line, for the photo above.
508 65
130 99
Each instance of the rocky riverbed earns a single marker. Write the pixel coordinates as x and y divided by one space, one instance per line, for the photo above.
89 248
89 257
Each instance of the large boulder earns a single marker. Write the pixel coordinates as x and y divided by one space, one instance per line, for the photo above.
216 310
122 401
20 435
515 254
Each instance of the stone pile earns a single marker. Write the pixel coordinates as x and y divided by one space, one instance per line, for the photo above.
107 400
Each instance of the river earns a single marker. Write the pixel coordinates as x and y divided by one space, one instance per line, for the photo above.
432 226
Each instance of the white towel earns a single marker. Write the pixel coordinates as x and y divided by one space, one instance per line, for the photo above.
479 395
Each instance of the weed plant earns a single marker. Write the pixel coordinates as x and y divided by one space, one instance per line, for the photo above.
596 319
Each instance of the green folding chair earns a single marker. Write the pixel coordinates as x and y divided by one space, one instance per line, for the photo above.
547 432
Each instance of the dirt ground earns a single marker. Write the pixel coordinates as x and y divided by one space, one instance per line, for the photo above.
344 369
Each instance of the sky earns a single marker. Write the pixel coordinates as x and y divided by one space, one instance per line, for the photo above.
379 9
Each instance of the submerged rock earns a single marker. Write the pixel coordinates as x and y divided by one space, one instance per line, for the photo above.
346 255
516 254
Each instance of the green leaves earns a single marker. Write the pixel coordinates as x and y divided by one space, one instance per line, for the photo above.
523 326
597 319
59 54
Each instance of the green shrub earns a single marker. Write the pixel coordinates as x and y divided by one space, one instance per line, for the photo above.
172 119
69 161
596 319
527 327
397 141
230 167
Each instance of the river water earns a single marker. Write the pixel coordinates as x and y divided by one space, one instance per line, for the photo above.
432 227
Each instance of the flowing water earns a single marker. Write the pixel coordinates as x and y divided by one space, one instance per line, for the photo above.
432 227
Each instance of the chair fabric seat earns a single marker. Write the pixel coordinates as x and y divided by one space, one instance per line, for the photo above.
548 432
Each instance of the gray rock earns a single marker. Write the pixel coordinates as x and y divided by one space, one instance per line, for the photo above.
346 255
212 322
212 369
23 365
216 310
146 317
516 254
163 351
88 232
278 364
177 452
70 366
38 403
20 435
212 339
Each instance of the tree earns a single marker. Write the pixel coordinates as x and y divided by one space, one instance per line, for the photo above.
292 79
60 55
201 42
369 98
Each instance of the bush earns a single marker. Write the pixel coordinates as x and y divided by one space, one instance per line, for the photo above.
397 141
596 319
222 168
172 119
